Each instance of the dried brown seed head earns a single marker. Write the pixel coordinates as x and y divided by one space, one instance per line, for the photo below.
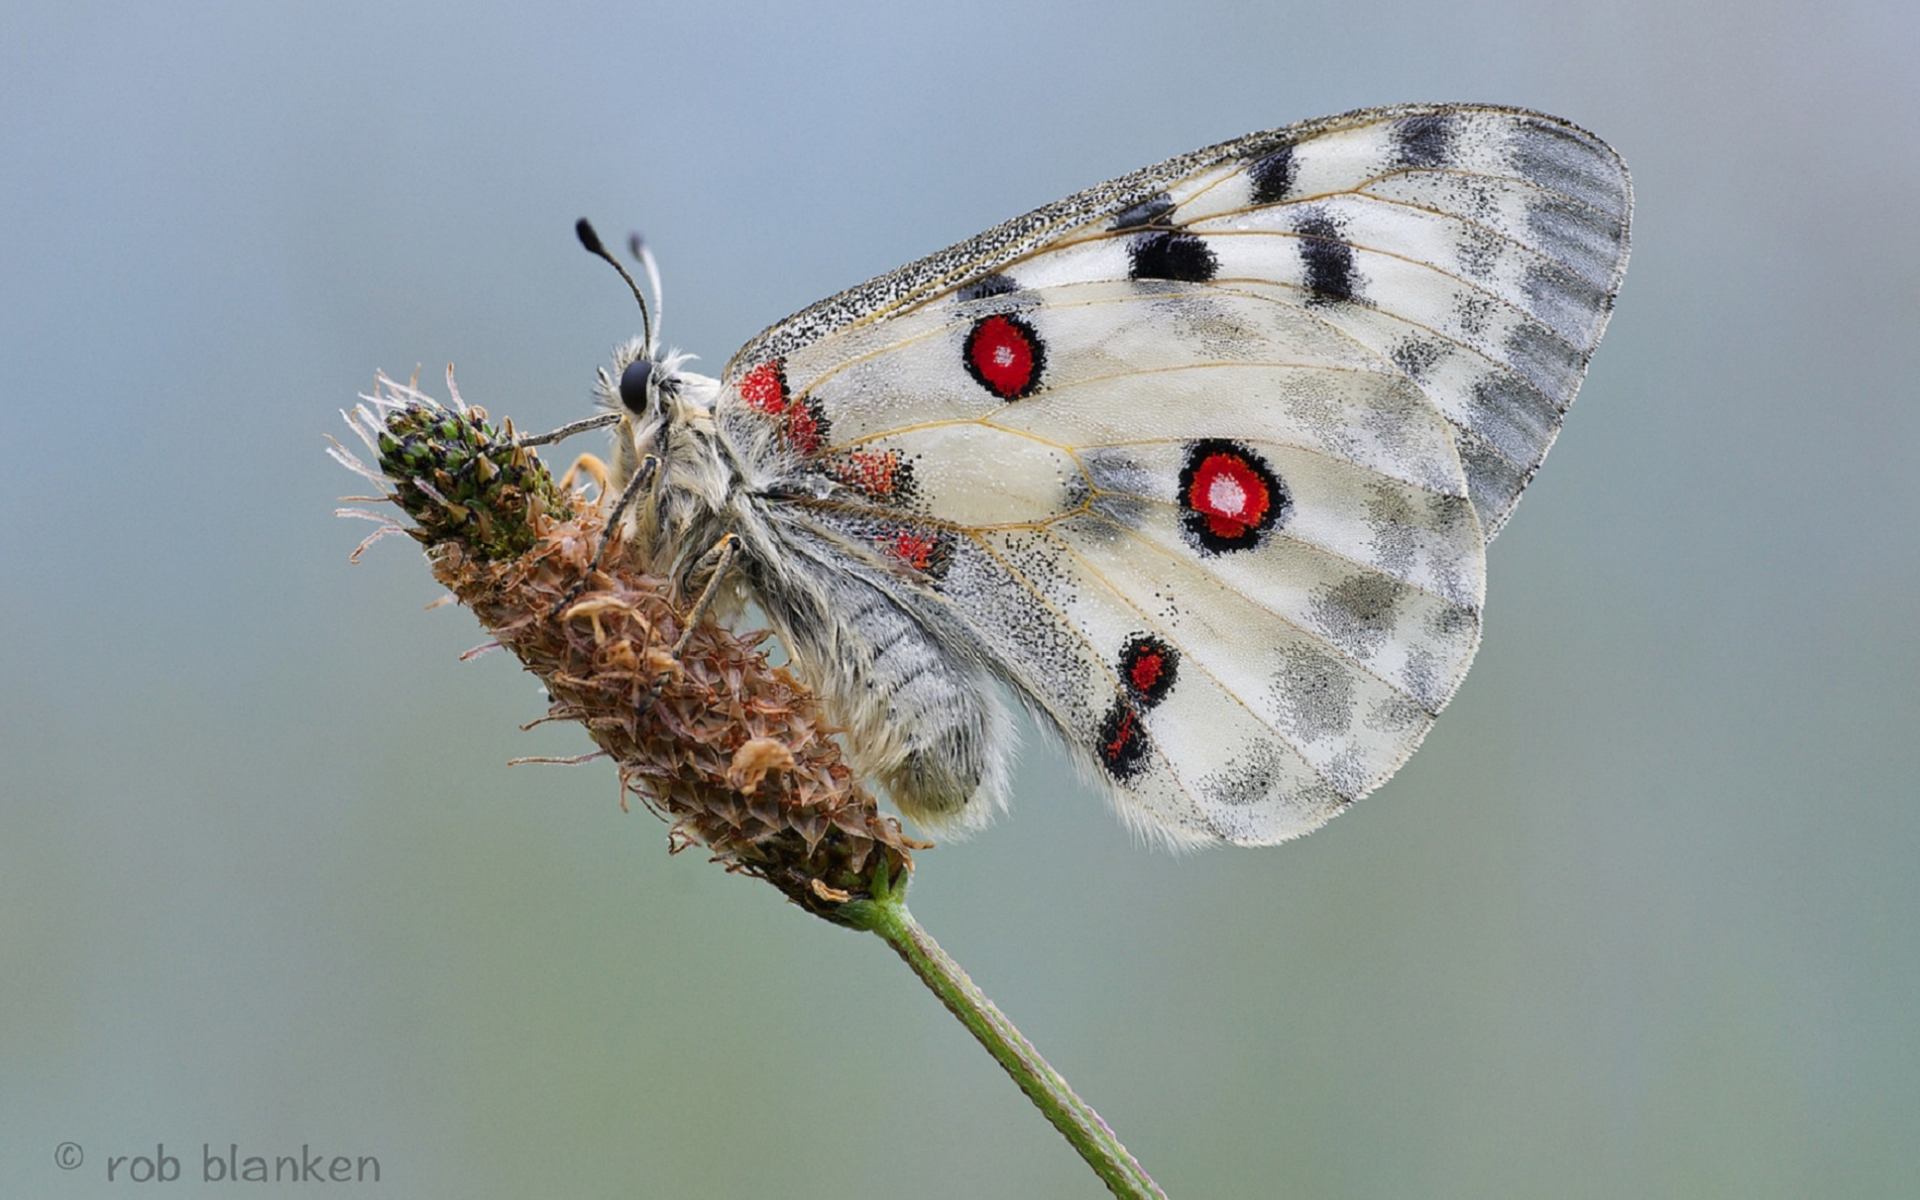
729 749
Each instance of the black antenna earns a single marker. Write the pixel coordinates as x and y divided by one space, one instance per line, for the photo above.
591 240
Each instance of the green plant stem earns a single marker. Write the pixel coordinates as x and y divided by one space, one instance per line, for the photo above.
886 915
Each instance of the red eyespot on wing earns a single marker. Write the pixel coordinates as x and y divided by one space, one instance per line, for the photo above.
925 551
1123 742
1005 356
765 387
1148 668
1227 492
806 428
914 549
877 474
1230 496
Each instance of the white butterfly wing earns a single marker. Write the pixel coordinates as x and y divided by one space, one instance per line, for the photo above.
1206 458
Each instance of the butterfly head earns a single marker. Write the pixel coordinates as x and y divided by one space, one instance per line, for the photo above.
666 418
650 389
646 388
640 386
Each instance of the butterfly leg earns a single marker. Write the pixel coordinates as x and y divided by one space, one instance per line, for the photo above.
648 467
722 554
589 465
596 421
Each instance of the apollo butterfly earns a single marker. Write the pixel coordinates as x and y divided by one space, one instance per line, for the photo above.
1198 467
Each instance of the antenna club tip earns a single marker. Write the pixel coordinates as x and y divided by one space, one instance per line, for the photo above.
583 229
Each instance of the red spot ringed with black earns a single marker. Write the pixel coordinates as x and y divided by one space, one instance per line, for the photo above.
1005 356
1122 744
802 422
1229 496
1148 668
926 551
806 426
765 388
880 475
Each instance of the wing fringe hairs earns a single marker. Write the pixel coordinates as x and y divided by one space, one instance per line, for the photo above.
733 752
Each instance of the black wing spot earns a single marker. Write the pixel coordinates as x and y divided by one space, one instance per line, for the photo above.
1329 261
1184 257
1144 214
1424 141
1272 176
995 284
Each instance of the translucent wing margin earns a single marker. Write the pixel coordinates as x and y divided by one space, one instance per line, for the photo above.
1207 457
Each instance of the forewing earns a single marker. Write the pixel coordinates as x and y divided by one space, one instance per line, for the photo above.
1208 456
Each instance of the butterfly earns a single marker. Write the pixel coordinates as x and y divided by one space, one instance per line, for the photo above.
1198 466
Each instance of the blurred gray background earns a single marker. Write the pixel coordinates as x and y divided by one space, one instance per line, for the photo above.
1640 920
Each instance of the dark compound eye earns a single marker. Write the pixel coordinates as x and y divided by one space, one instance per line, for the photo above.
633 385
